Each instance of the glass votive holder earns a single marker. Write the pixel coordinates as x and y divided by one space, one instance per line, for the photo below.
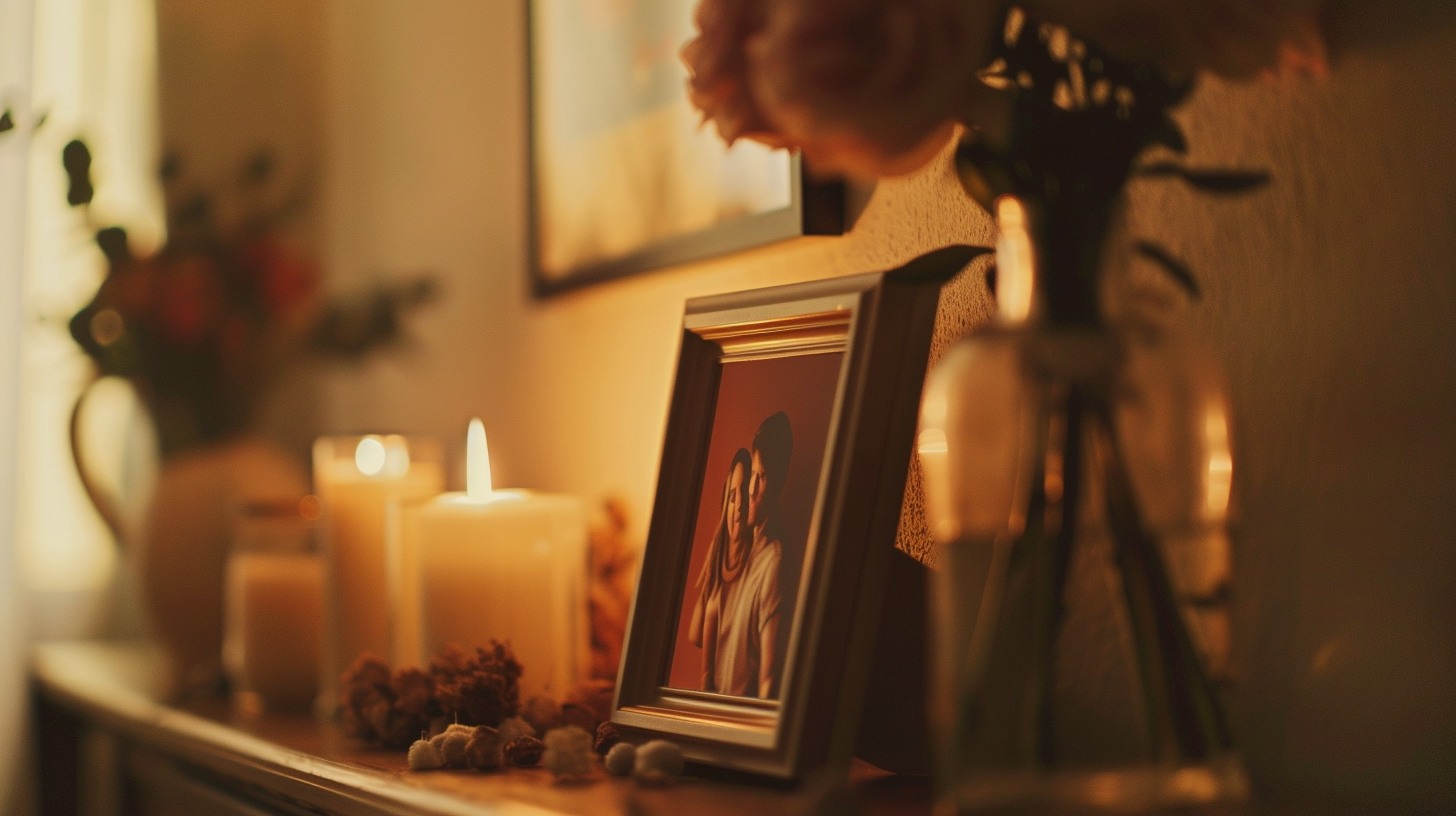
273 605
355 477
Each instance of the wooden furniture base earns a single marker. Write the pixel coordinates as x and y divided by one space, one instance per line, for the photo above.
108 744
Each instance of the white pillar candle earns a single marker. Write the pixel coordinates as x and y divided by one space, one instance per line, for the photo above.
355 478
507 565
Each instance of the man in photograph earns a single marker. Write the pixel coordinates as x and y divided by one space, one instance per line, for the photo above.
747 659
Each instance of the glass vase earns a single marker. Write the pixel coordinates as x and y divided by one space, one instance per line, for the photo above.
1078 479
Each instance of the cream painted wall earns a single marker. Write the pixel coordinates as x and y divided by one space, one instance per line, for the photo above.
1330 297
427 141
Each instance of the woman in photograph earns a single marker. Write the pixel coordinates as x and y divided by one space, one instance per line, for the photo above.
726 556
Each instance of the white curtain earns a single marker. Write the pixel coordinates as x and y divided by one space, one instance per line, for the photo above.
15 71
94 77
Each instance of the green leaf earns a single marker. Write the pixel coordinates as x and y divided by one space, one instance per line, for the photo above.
7 122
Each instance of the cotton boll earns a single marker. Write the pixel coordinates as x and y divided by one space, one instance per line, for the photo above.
451 744
514 727
658 761
483 751
423 756
621 759
568 752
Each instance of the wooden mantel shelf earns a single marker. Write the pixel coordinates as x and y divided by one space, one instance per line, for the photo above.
205 754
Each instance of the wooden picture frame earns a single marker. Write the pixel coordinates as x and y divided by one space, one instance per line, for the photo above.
873 333
623 178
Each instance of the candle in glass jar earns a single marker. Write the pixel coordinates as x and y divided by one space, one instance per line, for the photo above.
506 565
273 598
355 478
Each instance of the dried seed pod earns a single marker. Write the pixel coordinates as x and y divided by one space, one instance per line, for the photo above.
568 752
483 751
525 751
606 737
621 759
424 757
658 761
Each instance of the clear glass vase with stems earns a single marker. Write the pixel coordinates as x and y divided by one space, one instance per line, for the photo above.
1078 475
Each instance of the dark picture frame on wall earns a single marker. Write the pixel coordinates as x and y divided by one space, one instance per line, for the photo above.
783 470
624 177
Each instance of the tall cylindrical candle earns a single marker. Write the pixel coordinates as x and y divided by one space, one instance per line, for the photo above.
355 478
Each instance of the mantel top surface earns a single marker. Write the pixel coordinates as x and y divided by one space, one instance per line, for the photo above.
298 759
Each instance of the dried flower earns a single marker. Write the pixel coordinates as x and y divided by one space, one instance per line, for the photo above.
606 737
593 696
621 759
658 761
613 570
579 716
483 752
568 752
478 689
389 709
525 751
424 757
1234 38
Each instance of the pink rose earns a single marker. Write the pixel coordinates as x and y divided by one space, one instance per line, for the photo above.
869 87
1234 38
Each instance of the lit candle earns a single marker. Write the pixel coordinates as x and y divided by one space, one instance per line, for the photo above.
355 478
507 565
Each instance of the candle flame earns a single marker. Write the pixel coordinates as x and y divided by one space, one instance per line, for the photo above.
1015 264
477 463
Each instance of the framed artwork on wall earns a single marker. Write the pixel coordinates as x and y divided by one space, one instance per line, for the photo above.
624 176
788 441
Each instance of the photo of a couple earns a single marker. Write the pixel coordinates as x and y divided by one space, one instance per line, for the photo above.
754 518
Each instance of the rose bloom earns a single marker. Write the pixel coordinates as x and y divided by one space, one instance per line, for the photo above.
869 87
875 87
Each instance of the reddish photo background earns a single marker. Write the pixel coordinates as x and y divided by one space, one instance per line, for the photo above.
748 393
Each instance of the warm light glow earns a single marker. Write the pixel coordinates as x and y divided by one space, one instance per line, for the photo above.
932 441
1219 482
1015 264
477 464
369 456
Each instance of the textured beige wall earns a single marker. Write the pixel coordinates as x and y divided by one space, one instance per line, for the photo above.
1330 297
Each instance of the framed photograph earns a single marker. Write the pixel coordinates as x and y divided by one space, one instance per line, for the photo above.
778 498
625 177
